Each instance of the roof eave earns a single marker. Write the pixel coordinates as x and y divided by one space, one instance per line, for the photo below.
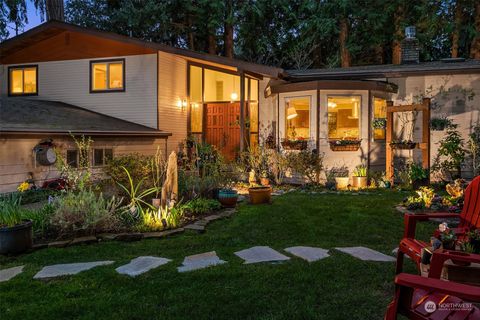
16 131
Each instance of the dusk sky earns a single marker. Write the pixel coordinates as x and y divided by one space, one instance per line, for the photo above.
34 19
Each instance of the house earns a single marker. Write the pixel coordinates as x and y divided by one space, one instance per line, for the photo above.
136 96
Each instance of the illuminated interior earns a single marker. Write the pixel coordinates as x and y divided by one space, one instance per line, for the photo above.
297 118
343 117
379 112
23 80
107 76
196 101
220 86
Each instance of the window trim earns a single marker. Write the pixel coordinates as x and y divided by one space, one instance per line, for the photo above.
310 110
22 67
104 163
359 95
77 161
107 61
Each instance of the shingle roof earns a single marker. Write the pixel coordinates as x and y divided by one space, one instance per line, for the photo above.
385 71
22 115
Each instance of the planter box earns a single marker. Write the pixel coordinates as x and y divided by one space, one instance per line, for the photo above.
346 147
295 145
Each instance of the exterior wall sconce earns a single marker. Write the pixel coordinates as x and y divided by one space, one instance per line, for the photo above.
182 104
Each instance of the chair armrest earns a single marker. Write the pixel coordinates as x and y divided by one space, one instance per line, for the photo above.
462 291
410 220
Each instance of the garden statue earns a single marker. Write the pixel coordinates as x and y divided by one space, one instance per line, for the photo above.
170 187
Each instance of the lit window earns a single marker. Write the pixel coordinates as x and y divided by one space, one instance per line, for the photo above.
343 117
196 100
108 76
101 156
23 80
297 118
379 118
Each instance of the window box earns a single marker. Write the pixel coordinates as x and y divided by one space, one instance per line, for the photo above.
295 144
344 145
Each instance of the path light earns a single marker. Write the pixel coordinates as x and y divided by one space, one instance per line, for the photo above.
291 111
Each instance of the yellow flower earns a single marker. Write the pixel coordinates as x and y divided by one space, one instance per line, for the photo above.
24 186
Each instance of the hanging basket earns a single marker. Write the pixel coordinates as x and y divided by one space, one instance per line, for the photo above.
403 145
344 145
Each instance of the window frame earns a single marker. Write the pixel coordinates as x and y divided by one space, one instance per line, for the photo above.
22 67
77 160
107 62
349 95
310 118
104 163
373 118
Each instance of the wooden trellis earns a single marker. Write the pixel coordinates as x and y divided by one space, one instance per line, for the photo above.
424 145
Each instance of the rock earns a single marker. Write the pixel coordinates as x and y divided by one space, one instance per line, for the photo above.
107 236
7 274
213 217
366 254
162 234
129 237
201 222
200 261
260 254
59 244
194 227
141 265
39 246
58 270
310 254
84 240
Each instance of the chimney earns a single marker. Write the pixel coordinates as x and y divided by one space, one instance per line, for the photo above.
410 47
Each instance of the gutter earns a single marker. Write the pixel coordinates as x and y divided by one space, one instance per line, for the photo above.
89 132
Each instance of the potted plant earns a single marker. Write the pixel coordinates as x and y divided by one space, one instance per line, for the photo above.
264 181
345 144
403 144
447 236
474 240
439 124
260 194
418 175
341 178
228 197
360 176
16 234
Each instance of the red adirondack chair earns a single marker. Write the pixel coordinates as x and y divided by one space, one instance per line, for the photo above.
415 295
469 219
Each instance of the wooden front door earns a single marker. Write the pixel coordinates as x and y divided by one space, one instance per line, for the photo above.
223 129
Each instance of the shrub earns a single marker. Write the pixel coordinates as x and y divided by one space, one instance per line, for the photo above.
308 164
451 153
85 213
153 219
81 177
201 206
31 195
41 220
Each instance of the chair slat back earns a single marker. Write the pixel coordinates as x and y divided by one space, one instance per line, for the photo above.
470 215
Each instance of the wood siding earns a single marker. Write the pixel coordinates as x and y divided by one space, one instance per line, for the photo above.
17 158
172 88
68 81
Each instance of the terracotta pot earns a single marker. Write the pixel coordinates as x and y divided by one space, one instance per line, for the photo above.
359 182
260 195
228 198
341 183
264 181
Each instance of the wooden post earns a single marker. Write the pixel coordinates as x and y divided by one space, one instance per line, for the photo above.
389 152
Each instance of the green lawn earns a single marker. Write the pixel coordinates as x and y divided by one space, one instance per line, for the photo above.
339 287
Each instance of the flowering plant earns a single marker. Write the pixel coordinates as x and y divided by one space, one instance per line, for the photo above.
24 186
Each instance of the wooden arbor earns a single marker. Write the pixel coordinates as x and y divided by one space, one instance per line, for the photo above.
424 107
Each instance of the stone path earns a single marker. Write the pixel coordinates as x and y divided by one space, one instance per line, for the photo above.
58 270
260 254
366 254
255 254
200 261
7 274
141 265
311 254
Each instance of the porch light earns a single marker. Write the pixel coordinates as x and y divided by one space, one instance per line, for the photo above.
291 112
182 103
234 96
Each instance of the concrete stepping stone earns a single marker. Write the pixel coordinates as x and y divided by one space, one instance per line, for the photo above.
7 274
366 254
200 261
310 254
141 265
260 254
58 270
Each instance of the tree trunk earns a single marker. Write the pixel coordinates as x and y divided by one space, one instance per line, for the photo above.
457 27
343 36
212 43
228 32
55 10
379 57
397 36
475 47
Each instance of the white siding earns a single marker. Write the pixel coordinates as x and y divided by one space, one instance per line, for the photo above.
172 88
68 81
267 110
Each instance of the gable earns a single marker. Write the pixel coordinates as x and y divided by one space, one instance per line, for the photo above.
71 45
